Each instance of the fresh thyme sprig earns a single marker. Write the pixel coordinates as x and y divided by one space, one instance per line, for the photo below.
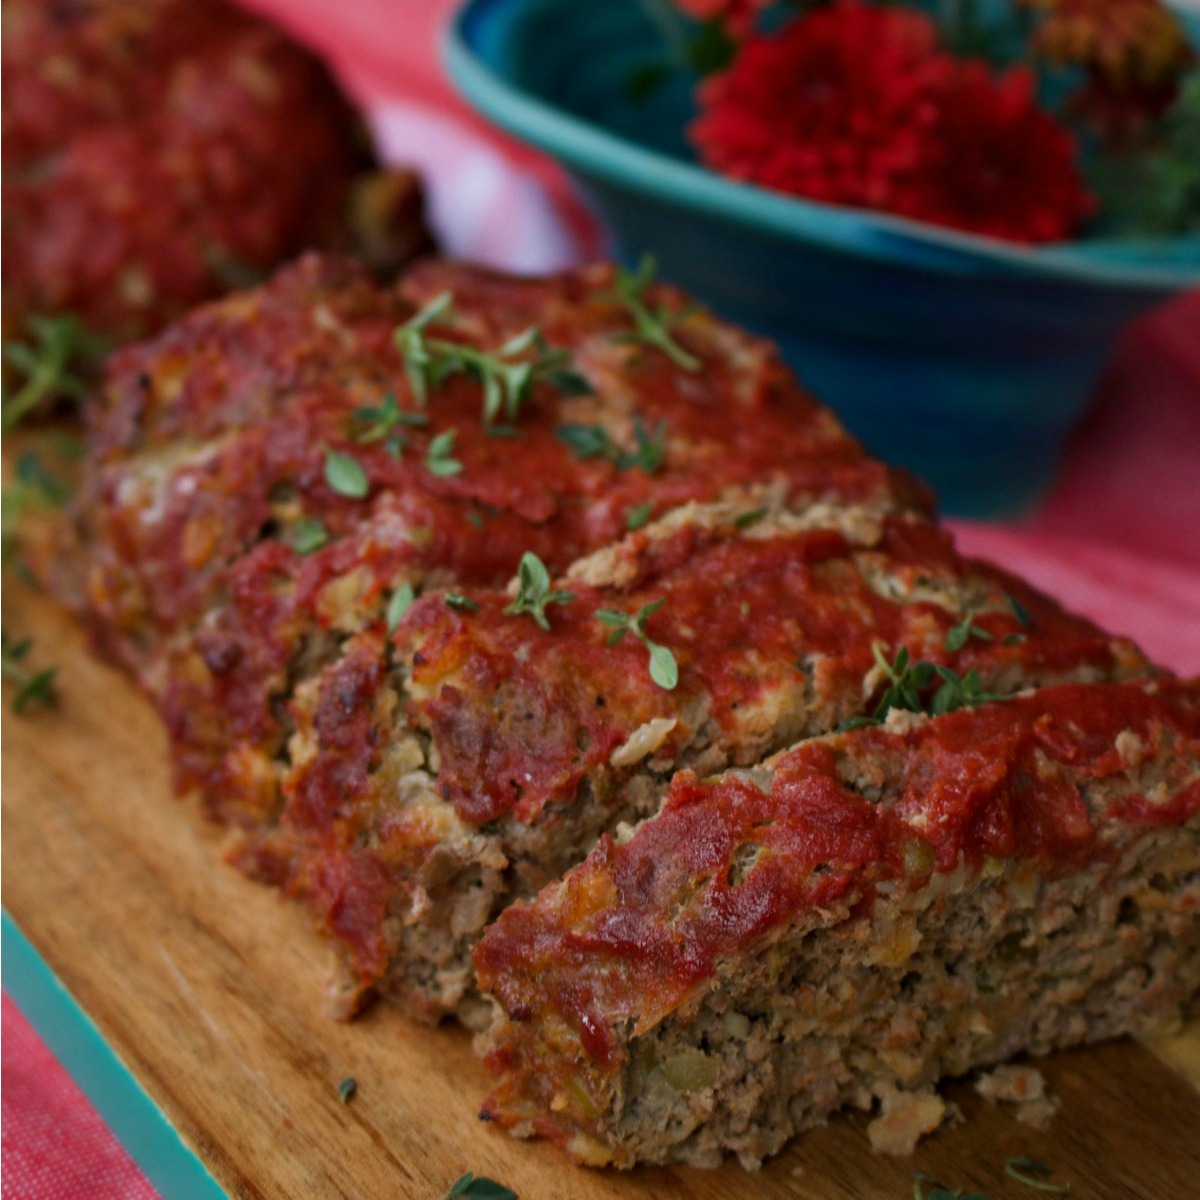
382 422
51 363
33 687
507 373
664 669
533 590
909 684
652 326
34 487
594 441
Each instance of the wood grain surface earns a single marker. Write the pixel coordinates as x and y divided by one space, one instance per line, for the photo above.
209 988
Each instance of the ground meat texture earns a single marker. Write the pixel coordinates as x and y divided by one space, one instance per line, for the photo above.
866 913
495 752
160 152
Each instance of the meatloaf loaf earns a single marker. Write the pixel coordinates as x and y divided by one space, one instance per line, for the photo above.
852 920
160 152
267 476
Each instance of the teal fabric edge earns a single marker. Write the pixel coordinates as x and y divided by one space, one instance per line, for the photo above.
136 1121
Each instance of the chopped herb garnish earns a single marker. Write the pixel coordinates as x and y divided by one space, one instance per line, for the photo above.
938 1192
533 590
1034 1174
594 441
479 1187
908 683
589 441
639 516
410 341
1019 611
51 363
346 1089
437 457
461 603
958 692
47 487
381 423
749 518
664 670
958 636
571 383
398 605
1014 639
308 534
345 475
33 687
507 373
652 325
474 519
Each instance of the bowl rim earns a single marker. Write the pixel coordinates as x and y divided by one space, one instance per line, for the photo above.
585 146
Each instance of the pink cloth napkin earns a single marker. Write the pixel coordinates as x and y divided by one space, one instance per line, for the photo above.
55 1146
1117 539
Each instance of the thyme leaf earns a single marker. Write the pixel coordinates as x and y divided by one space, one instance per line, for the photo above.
639 516
437 457
958 635
594 441
1034 1174
461 603
382 422
347 1089
401 601
533 591
479 1187
33 687
308 534
345 475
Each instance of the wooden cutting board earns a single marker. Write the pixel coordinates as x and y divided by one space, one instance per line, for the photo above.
209 989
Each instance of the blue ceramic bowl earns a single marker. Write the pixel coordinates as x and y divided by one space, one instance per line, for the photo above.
966 359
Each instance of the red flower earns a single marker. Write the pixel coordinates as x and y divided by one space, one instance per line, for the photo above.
855 105
996 164
835 106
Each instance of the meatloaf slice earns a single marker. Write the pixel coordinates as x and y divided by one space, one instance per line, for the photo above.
223 563
434 781
862 915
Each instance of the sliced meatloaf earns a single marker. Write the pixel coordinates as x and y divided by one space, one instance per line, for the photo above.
262 476
161 152
439 775
854 919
